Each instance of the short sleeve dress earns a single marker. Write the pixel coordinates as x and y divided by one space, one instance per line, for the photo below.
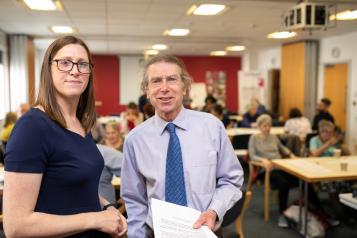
71 165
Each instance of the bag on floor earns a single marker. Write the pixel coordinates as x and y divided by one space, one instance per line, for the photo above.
315 228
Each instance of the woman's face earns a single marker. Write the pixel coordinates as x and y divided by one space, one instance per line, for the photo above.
112 135
72 83
265 128
326 134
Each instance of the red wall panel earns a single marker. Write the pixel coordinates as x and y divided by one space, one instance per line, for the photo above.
198 65
106 84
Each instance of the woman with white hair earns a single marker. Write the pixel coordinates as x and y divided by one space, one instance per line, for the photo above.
265 147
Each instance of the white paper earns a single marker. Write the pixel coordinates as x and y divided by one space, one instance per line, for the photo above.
175 221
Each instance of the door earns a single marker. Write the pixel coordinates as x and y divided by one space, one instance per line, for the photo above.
336 90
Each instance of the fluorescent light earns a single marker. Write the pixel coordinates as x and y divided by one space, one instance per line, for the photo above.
281 35
208 9
218 53
151 52
159 47
62 29
177 32
235 48
345 15
42 5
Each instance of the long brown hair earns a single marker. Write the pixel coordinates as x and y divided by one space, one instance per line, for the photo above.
46 96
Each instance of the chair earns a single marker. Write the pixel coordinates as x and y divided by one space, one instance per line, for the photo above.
254 169
240 142
236 214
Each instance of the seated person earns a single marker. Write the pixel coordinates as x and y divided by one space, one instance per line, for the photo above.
266 147
9 123
209 102
217 110
131 118
113 138
327 141
112 166
261 108
297 124
250 117
322 113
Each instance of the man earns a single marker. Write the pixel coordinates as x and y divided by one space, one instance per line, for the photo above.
322 113
206 175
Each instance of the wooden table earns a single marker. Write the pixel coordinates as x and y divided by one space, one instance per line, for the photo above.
317 169
251 131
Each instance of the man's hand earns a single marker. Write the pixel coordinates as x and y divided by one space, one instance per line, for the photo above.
207 218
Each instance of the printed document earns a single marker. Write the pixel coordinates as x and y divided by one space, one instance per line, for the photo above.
175 221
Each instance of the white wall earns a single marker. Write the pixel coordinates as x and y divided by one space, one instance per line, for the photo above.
348 54
131 73
4 78
262 61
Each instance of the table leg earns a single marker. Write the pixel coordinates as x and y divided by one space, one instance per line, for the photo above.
306 205
300 205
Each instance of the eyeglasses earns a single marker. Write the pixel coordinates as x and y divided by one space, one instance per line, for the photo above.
66 65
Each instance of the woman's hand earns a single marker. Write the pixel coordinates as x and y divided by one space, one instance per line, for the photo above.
267 164
111 221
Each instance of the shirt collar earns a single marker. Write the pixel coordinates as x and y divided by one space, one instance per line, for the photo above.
180 121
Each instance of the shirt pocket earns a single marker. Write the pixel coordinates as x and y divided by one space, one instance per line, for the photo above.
203 174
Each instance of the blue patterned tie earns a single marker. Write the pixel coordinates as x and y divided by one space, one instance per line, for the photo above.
175 182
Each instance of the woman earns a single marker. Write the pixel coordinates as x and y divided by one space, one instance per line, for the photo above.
52 163
9 124
131 117
297 124
113 138
327 141
266 147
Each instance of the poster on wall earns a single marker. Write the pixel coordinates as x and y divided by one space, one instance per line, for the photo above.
198 94
216 85
251 84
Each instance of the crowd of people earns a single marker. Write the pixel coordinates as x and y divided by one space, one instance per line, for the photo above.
54 166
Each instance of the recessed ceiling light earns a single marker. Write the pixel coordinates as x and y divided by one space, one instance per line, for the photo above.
206 9
151 52
43 5
345 15
281 35
177 32
159 47
62 29
235 48
218 53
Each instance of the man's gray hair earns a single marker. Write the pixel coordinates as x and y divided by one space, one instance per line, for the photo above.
185 77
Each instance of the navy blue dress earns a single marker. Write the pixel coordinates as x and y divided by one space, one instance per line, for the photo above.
71 165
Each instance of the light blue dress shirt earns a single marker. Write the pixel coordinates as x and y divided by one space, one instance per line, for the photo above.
213 175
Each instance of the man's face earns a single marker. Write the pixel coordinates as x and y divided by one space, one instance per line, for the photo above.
321 107
165 89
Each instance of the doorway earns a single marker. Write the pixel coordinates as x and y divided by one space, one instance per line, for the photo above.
335 88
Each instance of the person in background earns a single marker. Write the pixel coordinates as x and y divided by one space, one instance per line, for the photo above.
260 108
113 138
327 141
297 124
52 165
149 111
251 116
9 123
23 108
143 100
131 118
217 110
210 101
322 113
98 131
112 167
179 155
266 147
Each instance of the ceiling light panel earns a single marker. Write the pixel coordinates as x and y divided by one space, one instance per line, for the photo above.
42 5
209 9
